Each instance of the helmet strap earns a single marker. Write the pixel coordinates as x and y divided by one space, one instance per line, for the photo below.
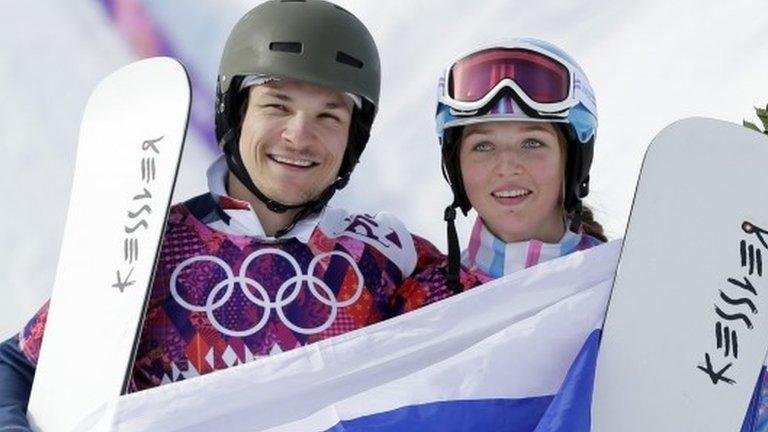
237 167
314 206
452 272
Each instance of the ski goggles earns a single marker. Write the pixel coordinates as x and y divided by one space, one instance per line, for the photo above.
543 82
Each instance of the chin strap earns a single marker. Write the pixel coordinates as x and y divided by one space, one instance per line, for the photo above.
314 206
237 167
452 272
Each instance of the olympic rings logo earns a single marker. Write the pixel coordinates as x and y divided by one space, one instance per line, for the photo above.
287 293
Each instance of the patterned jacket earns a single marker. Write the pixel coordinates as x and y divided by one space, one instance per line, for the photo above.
223 295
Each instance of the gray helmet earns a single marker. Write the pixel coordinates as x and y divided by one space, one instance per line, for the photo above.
312 40
309 40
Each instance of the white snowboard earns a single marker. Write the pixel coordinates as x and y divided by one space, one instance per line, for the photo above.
687 325
131 138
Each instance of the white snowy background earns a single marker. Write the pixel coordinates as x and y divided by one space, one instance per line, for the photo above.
650 62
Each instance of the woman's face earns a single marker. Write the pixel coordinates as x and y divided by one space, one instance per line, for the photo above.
513 176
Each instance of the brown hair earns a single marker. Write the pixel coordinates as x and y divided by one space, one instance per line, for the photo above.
589 225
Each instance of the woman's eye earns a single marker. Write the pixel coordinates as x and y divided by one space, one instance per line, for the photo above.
482 147
532 144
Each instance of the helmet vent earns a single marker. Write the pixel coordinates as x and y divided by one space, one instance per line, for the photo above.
347 59
289 47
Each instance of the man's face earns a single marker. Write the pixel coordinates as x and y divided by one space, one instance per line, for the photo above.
293 138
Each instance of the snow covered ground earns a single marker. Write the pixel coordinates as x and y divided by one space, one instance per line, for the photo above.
650 63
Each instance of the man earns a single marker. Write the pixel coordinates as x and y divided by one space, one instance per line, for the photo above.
260 264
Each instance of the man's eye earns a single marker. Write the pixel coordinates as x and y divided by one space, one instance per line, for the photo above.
330 116
275 107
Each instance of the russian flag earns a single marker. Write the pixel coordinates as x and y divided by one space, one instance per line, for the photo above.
516 354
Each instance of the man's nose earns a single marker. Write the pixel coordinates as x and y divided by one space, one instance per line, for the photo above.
299 130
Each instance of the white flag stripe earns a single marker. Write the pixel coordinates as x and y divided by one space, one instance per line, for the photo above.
527 359
290 386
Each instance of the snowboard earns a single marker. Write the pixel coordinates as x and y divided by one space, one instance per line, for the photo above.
686 329
130 144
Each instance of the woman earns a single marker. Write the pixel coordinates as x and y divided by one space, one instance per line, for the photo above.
516 123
